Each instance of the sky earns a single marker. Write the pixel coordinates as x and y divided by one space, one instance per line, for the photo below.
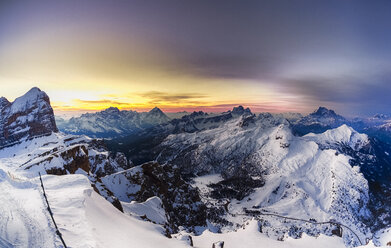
275 56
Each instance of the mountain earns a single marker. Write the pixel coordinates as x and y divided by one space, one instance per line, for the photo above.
112 122
238 149
138 145
28 116
258 159
319 121
177 115
267 168
203 179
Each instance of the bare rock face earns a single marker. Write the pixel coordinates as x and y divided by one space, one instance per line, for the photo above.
28 116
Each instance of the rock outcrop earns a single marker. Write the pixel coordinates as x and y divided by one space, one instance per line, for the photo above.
28 116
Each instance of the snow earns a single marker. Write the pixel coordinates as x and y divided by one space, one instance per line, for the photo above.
87 220
120 186
383 237
343 134
250 237
302 180
202 182
84 218
21 103
24 221
304 176
152 209
112 122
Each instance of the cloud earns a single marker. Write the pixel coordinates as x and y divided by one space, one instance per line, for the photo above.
164 97
102 102
353 94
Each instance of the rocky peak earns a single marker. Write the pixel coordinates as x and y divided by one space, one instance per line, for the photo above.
240 110
28 116
112 110
196 114
325 112
155 115
156 111
3 103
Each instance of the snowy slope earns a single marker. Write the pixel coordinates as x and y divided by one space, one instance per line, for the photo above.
87 220
249 236
24 221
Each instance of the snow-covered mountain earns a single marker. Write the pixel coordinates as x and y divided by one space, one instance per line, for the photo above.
112 122
319 121
250 153
271 170
212 179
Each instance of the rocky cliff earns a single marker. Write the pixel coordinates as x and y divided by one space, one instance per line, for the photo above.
28 116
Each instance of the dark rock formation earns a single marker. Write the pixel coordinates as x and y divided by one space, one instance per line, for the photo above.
181 201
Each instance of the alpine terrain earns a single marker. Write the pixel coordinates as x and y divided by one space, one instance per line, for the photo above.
234 179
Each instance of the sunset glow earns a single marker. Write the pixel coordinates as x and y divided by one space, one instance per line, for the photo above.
135 55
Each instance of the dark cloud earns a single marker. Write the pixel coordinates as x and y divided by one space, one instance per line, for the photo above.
156 97
351 94
104 101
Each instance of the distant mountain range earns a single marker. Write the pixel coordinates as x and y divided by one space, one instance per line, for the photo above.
283 175
112 122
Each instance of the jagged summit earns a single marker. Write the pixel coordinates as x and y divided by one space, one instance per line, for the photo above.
113 122
323 111
112 110
199 113
240 110
34 95
156 112
155 115
319 121
4 102
28 116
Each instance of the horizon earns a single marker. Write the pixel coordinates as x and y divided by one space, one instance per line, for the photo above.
218 109
269 56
